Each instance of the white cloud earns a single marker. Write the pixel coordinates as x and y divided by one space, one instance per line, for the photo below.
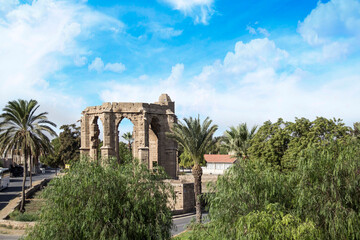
253 84
166 32
258 30
39 39
98 65
334 27
7 5
80 61
115 67
330 21
200 10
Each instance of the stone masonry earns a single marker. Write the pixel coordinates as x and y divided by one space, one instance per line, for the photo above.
151 121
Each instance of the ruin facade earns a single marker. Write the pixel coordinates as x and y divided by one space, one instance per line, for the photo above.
151 121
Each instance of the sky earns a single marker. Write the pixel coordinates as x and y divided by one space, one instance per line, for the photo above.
234 61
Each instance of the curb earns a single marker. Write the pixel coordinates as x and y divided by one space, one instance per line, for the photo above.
183 215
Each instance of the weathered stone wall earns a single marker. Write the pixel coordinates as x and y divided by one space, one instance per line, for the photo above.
205 179
151 122
184 197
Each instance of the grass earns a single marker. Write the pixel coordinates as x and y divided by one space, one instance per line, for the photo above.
183 236
6 226
32 210
23 217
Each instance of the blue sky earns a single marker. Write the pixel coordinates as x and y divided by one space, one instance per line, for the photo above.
234 61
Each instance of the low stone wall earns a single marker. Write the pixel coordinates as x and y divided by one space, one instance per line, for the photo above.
205 179
30 192
15 203
184 197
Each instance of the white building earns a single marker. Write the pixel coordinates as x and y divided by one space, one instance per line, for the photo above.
217 163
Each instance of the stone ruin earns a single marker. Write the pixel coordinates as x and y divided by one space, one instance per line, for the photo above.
150 120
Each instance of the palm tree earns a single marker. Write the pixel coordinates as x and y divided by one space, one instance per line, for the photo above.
237 140
196 138
128 137
23 130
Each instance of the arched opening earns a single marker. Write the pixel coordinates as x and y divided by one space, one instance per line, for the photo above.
124 140
154 129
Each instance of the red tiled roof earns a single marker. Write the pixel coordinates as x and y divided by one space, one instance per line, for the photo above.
219 158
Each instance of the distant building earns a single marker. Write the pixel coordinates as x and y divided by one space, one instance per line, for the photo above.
15 158
217 163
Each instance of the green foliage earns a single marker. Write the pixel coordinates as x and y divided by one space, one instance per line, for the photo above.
195 137
272 223
187 162
129 138
282 143
246 187
23 217
24 130
124 152
218 146
319 199
125 201
356 130
237 140
66 147
328 189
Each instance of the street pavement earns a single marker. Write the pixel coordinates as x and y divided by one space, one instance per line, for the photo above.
14 188
180 223
9 237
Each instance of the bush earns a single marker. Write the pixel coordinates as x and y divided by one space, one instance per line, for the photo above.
319 199
328 189
125 201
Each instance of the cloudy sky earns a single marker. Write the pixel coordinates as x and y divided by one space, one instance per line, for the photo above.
234 61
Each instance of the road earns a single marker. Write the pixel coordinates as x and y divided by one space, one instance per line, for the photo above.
181 223
14 188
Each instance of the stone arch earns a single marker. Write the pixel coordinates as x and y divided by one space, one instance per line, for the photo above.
119 118
150 120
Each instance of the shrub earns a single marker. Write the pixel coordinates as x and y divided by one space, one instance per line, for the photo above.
319 199
125 201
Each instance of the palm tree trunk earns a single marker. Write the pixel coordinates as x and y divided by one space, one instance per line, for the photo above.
31 167
197 173
22 205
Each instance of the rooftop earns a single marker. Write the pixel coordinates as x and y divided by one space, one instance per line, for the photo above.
219 158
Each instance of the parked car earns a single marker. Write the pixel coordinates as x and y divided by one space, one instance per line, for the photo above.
16 171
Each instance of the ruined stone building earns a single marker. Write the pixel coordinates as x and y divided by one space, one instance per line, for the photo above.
151 121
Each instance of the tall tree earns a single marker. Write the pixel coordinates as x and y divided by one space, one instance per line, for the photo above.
196 138
282 143
66 147
129 138
22 128
237 140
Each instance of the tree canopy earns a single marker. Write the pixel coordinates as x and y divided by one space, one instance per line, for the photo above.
115 201
280 144
237 140
66 147
23 129
319 199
